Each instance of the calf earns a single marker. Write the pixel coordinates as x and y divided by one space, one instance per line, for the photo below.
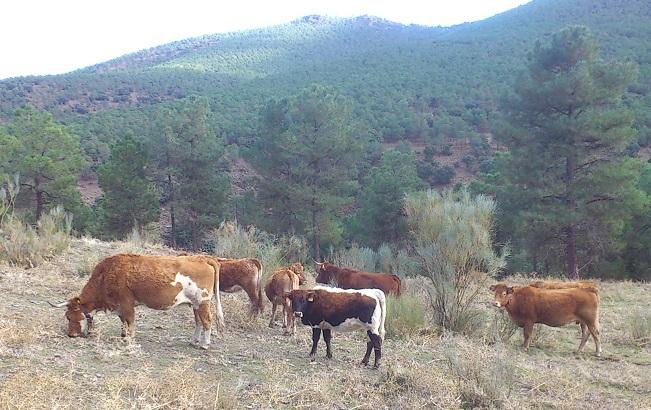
527 305
282 282
326 309
347 278
120 282
242 274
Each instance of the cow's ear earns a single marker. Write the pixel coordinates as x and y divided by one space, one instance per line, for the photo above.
310 296
492 288
509 290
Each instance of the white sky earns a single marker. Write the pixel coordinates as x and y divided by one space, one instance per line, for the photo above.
39 37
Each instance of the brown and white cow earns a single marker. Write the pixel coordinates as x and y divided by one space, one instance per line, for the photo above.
347 278
528 305
121 282
242 274
326 309
283 281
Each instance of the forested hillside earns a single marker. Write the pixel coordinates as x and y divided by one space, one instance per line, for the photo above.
323 124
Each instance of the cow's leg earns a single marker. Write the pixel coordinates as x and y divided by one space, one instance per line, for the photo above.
594 329
205 316
127 315
327 337
253 298
369 348
198 328
584 336
528 330
377 346
273 314
316 334
288 317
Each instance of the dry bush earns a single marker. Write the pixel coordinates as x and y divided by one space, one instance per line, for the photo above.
452 234
382 260
22 245
178 387
485 378
501 328
35 389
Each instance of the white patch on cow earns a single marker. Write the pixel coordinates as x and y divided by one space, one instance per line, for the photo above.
190 293
83 323
204 343
377 319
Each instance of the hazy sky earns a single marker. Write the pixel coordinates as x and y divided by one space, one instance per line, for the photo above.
55 36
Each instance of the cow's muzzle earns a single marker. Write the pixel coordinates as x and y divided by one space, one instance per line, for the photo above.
298 314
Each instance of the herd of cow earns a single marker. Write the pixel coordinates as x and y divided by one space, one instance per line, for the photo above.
121 282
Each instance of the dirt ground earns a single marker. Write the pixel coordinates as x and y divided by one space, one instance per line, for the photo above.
253 366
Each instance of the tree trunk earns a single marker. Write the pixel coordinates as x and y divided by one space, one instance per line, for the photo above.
570 229
39 198
172 216
316 232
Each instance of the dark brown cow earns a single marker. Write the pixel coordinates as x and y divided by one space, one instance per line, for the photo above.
325 309
527 305
347 278
283 281
120 282
242 274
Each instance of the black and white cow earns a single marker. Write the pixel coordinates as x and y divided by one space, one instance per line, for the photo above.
343 310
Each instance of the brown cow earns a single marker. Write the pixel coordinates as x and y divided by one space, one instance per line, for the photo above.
326 309
527 305
347 278
283 281
238 274
120 282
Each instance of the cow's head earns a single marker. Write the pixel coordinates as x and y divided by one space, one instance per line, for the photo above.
300 300
323 272
297 268
503 295
79 322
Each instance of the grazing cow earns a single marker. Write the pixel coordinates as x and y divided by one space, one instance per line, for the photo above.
283 281
527 305
326 309
238 274
120 282
347 278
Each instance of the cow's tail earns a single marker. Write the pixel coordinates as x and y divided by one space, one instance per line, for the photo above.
259 307
219 320
383 312
396 278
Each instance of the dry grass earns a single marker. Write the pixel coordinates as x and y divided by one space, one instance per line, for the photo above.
252 366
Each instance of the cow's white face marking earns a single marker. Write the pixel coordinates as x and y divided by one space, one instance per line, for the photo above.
190 292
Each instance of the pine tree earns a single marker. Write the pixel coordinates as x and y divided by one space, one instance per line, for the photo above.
306 155
380 217
130 196
567 177
47 157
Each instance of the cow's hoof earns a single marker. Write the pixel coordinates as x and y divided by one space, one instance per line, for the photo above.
312 357
271 325
363 363
328 356
204 346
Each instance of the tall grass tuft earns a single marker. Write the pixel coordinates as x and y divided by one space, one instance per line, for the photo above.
23 245
485 378
406 316
640 328
452 233
234 241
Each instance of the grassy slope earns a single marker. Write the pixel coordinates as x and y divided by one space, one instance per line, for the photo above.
254 366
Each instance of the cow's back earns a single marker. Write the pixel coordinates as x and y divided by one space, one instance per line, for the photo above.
350 279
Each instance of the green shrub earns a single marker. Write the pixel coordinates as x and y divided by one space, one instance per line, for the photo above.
406 316
452 233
